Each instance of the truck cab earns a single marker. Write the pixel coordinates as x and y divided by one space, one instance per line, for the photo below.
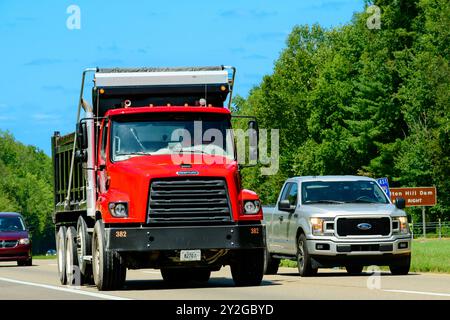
337 221
150 180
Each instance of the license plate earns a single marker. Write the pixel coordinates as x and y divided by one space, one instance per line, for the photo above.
190 255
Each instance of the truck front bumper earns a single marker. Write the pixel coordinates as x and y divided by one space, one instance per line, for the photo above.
332 253
145 239
366 247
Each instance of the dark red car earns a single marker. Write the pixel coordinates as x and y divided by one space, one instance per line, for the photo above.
15 242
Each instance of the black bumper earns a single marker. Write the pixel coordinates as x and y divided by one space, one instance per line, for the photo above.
365 260
185 237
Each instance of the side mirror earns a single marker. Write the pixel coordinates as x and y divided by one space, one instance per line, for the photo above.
284 205
253 141
400 203
82 138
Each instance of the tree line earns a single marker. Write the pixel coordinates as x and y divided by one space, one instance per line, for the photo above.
359 100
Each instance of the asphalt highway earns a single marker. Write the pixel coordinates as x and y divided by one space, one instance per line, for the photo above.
40 281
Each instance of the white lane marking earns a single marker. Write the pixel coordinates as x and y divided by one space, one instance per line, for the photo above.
76 291
421 292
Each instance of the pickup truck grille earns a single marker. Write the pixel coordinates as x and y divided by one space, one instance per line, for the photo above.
8 243
349 227
189 200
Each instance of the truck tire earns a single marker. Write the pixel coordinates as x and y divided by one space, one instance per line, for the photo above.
61 254
354 269
84 248
271 264
304 263
107 266
401 268
247 268
72 271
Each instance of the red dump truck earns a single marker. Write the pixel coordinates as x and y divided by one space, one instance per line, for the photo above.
150 179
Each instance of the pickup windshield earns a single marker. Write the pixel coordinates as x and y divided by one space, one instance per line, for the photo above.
332 192
171 134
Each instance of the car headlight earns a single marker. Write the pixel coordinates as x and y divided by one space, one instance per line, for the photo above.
24 241
317 225
252 206
118 209
403 224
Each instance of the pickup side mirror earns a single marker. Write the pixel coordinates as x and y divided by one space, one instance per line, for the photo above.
400 203
82 138
285 205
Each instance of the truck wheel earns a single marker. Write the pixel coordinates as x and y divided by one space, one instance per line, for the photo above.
271 264
71 257
304 263
402 267
61 254
354 270
108 267
84 246
248 267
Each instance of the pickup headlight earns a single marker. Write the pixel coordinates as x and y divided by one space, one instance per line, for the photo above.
252 206
118 209
317 226
24 241
403 224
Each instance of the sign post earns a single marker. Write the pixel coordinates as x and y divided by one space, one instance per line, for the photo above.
416 197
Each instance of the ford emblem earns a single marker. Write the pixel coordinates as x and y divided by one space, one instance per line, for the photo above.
364 226
184 173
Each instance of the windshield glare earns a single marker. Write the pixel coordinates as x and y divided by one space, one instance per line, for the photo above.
342 192
207 134
11 224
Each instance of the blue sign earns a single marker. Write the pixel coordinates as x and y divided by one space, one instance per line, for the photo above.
384 184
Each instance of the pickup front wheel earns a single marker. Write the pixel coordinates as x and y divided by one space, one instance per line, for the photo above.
304 263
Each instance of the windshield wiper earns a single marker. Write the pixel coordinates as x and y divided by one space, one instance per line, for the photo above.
134 153
362 201
324 201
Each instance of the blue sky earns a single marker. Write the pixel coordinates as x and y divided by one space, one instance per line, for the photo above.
41 60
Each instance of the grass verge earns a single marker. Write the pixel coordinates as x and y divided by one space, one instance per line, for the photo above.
428 255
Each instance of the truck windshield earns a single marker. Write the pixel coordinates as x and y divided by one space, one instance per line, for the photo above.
11 224
332 192
171 134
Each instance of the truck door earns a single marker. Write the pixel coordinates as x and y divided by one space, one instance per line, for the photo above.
290 226
101 172
279 222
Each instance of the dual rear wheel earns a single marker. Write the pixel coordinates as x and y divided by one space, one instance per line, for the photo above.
107 271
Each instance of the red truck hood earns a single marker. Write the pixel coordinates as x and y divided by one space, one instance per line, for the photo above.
13 235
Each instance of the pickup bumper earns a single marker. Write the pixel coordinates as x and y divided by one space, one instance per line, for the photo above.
329 253
148 239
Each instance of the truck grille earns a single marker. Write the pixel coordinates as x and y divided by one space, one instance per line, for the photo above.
8 243
349 227
189 199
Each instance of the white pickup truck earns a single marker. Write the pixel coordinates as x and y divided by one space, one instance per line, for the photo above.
334 221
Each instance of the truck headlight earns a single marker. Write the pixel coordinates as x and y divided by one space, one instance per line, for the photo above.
403 224
24 241
252 206
118 209
317 225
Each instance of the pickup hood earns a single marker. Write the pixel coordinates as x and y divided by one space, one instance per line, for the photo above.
13 235
366 209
